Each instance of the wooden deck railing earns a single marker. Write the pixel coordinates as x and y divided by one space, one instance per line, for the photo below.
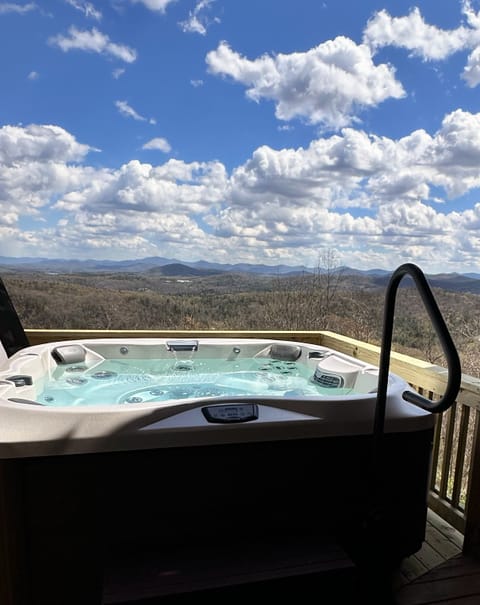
454 492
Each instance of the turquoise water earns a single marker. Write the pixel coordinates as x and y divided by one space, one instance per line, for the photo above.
120 382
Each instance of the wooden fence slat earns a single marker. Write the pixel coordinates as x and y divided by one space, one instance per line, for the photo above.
472 512
460 457
436 452
447 452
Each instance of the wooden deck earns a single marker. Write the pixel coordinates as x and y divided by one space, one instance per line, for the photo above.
439 574
442 543
454 582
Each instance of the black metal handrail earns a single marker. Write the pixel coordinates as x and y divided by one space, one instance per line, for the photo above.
453 362
376 508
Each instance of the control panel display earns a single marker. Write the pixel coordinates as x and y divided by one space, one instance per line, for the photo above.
223 414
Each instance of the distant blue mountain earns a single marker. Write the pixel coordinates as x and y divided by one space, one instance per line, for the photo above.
468 282
371 272
140 265
249 268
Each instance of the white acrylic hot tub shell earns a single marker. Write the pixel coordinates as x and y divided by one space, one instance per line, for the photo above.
27 429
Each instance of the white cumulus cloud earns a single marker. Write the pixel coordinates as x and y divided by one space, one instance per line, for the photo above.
198 21
39 142
471 73
154 5
427 41
325 84
117 73
159 144
173 187
37 163
87 8
358 170
126 110
365 195
413 33
13 7
93 41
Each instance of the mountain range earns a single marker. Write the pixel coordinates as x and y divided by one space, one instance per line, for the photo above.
171 267
141 265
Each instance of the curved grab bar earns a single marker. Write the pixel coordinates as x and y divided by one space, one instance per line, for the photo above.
450 352
375 504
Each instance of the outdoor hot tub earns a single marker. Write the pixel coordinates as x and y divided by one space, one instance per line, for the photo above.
118 447
115 395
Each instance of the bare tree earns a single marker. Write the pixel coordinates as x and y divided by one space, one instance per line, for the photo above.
306 301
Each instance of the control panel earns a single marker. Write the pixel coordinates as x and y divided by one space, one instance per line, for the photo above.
231 412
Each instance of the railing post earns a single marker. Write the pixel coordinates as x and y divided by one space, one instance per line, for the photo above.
471 543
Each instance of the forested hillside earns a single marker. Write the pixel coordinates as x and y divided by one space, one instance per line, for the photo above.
349 305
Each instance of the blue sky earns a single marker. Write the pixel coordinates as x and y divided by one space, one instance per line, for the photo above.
252 131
